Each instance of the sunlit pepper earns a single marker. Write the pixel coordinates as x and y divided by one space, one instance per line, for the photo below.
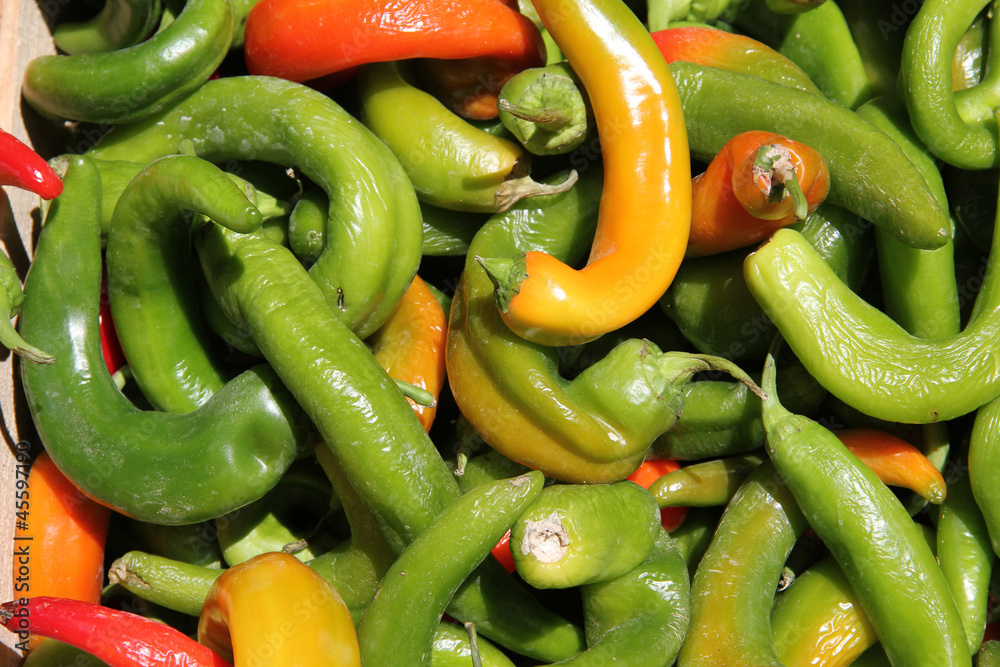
759 182
645 211
410 346
275 610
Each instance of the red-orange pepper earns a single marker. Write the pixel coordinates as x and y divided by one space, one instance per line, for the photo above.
118 638
23 168
651 470
645 211
895 461
469 87
303 40
410 346
758 183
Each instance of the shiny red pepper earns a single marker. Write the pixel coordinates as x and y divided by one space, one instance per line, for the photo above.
23 168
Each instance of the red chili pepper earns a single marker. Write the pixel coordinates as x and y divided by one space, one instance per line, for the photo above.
502 553
24 168
301 41
758 183
114 357
117 637
650 471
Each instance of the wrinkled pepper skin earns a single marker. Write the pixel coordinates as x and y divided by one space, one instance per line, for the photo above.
154 466
373 222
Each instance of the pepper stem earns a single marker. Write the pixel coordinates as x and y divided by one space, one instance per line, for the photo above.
774 174
546 116
512 191
418 395
13 341
470 627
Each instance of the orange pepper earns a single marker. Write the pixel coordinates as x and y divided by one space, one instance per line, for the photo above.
303 40
275 610
410 345
895 461
645 211
63 533
734 203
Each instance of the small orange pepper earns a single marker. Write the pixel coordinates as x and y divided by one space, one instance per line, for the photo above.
645 211
895 461
410 346
64 532
275 610
758 183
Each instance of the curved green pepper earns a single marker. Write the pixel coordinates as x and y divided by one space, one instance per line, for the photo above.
150 280
546 108
155 466
881 550
398 472
705 484
119 24
373 221
398 626
137 82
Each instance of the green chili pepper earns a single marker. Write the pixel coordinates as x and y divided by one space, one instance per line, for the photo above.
877 544
398 472
288 518
451 163
488 467
958 127
137 82
164 581
398 625
119 24
565 537
694 535
193 543
705 484
373 224
989 654
878 29
307 225
984 454
546 109
11 298
819 41
639 618
150 282
448 233
870 174
160 467
966 556
734 586
719 419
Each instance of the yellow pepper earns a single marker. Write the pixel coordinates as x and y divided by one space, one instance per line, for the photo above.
274 610
645 214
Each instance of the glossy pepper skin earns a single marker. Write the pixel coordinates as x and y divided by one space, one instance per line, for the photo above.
594 428
273 605
719 104
890 374
645 212
120 639
147 465
398 472
136 82
958 127
868 531
283 37
451 163
23 168
151 284
398 626
373 221
738 202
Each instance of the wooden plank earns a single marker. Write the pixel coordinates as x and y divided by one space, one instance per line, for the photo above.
24 34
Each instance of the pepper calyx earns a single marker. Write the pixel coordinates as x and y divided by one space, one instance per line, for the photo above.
506 275
514 190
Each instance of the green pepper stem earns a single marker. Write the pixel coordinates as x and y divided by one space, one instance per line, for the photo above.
512 191
474 642
418 395
13 342
775 161
549 116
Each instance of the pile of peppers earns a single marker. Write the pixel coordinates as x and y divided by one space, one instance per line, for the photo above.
494 333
